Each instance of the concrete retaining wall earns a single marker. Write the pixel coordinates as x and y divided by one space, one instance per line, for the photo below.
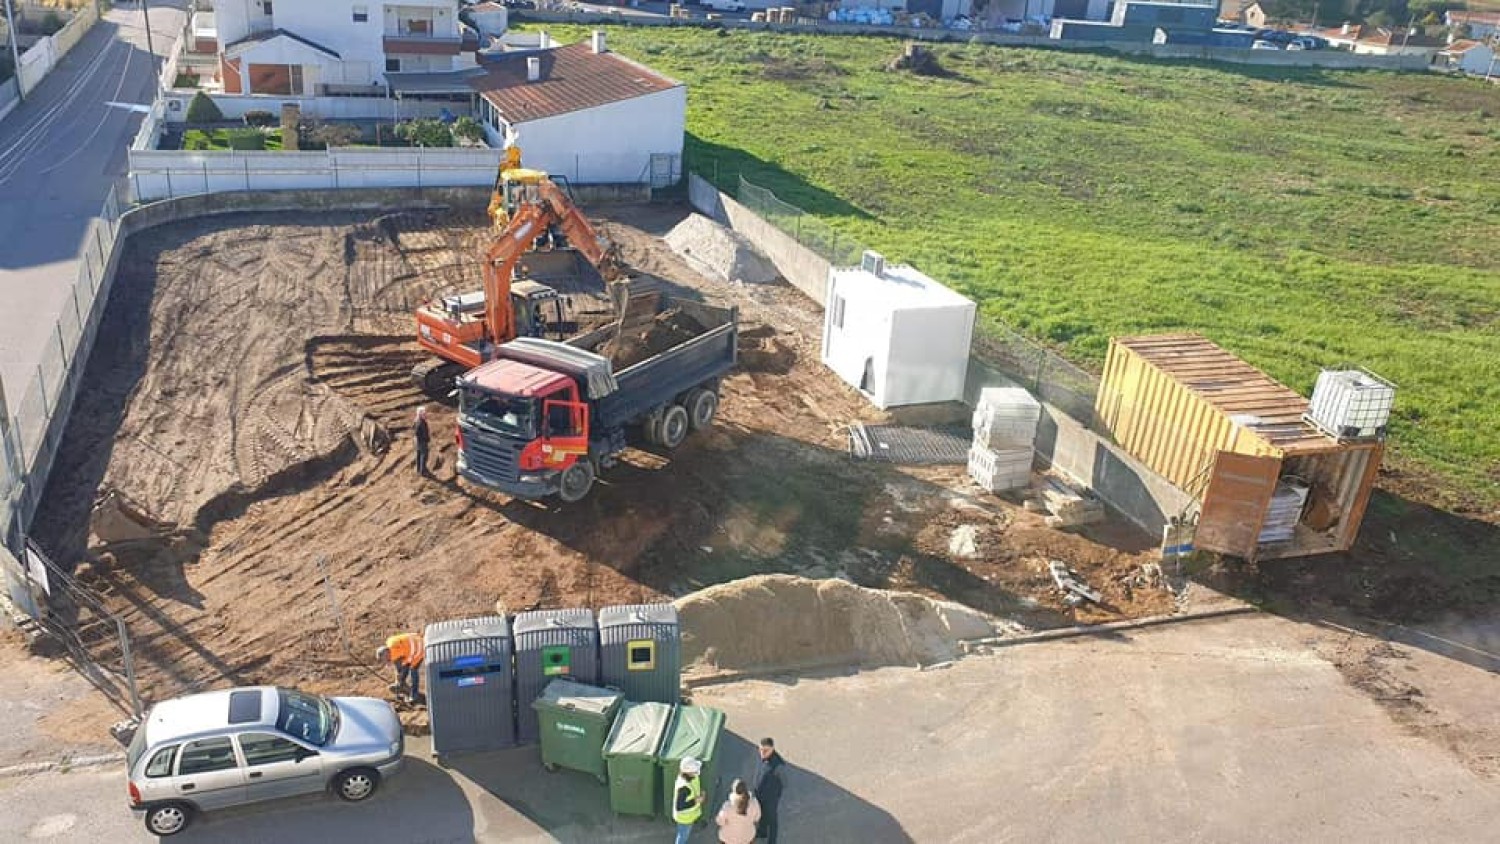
1334 59
804 268
44 55
10 97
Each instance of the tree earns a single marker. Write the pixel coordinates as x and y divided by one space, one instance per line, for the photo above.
468 129
424 132
336 134
203 109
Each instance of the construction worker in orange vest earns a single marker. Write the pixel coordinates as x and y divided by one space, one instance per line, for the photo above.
405 651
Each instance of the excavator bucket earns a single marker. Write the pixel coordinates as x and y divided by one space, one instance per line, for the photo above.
117 520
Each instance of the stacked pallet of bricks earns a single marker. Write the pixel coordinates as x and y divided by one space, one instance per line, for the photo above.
1005 423
1068 506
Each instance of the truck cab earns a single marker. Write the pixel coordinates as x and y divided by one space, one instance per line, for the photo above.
524 430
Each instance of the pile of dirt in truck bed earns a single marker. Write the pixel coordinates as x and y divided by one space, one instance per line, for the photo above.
778 621
719 252
297 579
670 328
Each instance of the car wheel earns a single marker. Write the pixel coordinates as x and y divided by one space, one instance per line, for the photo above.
356 785
168 819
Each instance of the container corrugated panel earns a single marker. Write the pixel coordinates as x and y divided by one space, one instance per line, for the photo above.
640 651
550 644
1351 404
1175 401
470 690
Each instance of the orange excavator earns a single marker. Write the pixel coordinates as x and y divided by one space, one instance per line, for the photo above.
463 331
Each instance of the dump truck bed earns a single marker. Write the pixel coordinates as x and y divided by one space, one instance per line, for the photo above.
661 377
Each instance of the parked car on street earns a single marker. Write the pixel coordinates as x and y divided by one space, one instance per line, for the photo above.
244 745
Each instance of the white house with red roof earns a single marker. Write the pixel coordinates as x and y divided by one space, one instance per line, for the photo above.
1468 56
1481 25
584 112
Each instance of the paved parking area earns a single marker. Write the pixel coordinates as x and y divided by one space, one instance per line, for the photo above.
1228 730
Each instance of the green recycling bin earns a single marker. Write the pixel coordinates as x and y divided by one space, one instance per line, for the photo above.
573 721
693 731
630 757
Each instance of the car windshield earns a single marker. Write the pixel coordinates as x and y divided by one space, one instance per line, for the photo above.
313 719
509 416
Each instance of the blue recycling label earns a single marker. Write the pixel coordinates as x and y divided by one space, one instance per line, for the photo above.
470 681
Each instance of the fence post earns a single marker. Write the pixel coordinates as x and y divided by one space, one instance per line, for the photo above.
798 235
171 194
129 660
1041 368
205 176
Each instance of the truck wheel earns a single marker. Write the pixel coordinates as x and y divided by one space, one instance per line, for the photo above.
577 480
702 406
674 426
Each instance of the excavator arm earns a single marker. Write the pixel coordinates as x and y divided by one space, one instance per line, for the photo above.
500 266
580 233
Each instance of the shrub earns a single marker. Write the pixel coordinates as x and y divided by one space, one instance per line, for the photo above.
335 134
203 109
425 133
468 129
261 119
185 80
51 23
246 139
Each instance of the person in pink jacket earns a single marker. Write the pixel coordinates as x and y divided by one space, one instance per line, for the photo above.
739 816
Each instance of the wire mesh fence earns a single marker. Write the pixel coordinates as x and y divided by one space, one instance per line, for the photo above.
1047 374
30 438
838 249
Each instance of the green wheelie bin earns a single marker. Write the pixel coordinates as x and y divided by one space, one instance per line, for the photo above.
630 757
693 731
573 721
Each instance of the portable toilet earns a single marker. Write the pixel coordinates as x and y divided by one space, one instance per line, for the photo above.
470 688
551 644
640 651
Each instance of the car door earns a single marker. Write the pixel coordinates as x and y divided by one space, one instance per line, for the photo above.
276 766
209 774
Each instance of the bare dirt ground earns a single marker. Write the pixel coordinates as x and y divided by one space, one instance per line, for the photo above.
248 365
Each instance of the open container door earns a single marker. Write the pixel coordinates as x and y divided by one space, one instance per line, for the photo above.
1235 504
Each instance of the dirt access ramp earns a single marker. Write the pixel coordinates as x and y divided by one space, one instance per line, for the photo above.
297 580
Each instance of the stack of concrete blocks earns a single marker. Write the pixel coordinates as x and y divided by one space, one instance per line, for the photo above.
1005 422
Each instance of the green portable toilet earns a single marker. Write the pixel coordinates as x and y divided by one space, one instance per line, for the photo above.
693 731
573 721
630 757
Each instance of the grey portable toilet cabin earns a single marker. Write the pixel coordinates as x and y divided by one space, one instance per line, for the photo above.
470 687
551 644
640 651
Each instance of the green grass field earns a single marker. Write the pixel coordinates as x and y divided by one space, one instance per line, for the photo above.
1299 218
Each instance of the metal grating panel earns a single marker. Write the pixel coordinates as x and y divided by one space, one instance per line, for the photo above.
899 444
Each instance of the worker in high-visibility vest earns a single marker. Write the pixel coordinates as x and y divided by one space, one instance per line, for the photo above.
405 651
687 798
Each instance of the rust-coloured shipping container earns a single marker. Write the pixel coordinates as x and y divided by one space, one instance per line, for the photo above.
1232 437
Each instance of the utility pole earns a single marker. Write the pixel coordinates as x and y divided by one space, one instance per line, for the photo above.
15 52
155 75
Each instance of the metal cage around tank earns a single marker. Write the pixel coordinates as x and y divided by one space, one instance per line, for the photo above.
551 644
470 685
640 651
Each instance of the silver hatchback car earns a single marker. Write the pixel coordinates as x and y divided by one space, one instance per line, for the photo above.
226 748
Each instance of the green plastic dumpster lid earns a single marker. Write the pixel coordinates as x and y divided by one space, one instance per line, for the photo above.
637 732
695 732
566 694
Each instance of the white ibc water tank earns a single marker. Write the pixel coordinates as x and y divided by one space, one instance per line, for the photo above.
1351 404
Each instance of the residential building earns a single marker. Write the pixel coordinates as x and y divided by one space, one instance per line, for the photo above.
1248 12
1468 56
299 47
1382 41
1482 25
583 112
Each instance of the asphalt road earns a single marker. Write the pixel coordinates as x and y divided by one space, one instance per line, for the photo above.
60 151
1225 731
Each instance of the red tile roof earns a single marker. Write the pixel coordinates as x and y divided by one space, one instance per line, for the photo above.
573 78
1458 17
1461 46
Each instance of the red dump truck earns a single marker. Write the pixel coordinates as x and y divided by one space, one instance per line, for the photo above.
545 417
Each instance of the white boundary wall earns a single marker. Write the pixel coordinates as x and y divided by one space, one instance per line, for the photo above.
44 55
165 174
234 106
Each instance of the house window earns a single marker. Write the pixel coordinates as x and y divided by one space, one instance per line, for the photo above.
266 6
361 14
392 65
838 312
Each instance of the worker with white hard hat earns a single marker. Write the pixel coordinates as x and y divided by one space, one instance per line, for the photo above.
687 798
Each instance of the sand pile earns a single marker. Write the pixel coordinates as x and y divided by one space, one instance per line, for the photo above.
782 621
719 252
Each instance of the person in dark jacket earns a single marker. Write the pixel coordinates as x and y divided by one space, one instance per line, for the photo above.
767 788
424 438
